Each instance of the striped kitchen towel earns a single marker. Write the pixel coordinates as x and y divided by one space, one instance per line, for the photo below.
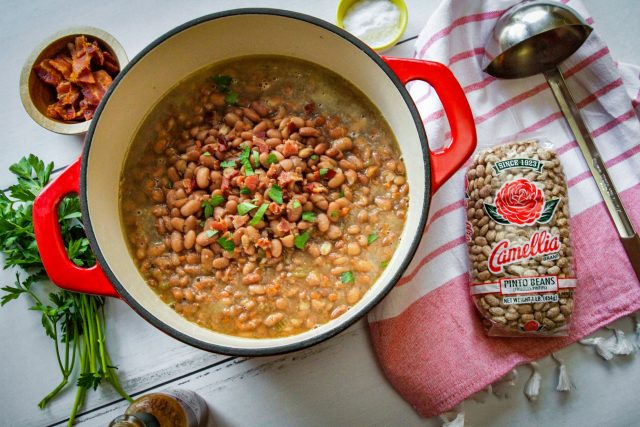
426 333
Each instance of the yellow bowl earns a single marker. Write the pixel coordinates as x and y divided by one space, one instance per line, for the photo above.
345 5
36 95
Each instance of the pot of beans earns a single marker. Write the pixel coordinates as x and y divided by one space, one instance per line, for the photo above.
255 181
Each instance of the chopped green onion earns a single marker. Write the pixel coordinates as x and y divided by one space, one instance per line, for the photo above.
272 158
323 171
228 164
245 207
301 240
347 277
372 238
245 190
244 159
275 194
226 244
309 216
259 214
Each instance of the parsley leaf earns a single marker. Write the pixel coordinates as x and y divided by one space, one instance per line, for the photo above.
245 190
309 216
257 217
226 244
347 277
244 159
222 82
275 194
245 207
372 238
231 98
209 204
228 164
323 171
301 240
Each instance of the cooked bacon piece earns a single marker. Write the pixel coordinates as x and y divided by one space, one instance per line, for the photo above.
290 148
48 73
95 53
68 93
87 110
261 145
251 182
93 92
110 64
63 65
286 178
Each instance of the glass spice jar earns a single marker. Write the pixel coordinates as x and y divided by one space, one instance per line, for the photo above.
169 408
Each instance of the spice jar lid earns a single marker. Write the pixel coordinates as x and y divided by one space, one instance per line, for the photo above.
398 27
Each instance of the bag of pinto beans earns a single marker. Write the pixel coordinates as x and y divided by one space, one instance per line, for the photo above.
520 260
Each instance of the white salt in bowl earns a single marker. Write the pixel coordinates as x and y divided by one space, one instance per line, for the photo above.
345 5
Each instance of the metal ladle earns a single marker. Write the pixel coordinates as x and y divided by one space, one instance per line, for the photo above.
534 37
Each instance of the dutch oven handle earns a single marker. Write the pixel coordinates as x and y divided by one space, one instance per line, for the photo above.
61 270
463 131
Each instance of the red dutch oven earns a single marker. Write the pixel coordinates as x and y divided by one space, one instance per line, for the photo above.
180 53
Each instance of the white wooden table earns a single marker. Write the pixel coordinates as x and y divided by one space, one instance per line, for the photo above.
336 383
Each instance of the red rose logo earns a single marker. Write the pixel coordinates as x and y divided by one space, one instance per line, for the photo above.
520 202
531 326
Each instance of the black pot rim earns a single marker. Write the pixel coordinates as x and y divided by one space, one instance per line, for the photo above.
235 351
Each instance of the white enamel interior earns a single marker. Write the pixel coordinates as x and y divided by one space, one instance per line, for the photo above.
200 46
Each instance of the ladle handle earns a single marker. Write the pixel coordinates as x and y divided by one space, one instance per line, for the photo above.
628 235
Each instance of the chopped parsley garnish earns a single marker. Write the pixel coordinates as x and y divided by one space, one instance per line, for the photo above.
206 153
259 214
211 233
244 159
275 194
314 157
384 264
301 240
323 171
309 216
169 185
226 244
245 207
209 204
245 190
228 164
347 277
341 193
222 82
272 158
231 98
295 204
334 214
372 238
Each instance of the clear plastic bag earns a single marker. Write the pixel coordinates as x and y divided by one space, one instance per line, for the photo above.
520 258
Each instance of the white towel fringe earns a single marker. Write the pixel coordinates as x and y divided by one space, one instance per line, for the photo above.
636 318
564 382
609 347
532 387
504 385
458 421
